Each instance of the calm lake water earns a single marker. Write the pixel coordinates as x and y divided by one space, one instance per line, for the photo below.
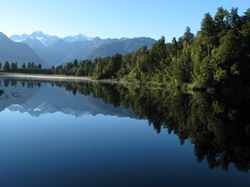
74 134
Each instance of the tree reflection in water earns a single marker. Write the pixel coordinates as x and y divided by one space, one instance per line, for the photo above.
217 125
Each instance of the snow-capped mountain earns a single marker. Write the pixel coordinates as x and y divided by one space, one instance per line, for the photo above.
19 38
77 38
48 40
56 51
45 39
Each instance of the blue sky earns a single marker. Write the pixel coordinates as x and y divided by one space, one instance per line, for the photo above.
109 18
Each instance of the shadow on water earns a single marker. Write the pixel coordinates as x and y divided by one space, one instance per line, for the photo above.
217 125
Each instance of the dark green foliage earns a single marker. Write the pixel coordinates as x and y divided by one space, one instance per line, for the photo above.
188 36
218 56
31 67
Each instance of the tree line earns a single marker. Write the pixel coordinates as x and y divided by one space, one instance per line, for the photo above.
30 67
218 56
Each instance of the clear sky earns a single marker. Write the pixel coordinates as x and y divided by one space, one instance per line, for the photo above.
109 18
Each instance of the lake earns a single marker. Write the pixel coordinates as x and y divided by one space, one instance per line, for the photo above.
72 134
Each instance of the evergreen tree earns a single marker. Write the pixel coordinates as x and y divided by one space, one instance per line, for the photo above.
75 63
188 36
13 67
6 67
39 66
24 66
29 65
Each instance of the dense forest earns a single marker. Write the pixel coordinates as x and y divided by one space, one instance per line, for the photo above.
218 56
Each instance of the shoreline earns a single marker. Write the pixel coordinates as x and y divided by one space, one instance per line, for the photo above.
50 77
58 78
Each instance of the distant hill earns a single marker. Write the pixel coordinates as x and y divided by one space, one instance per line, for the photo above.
17 52
56 51
122 47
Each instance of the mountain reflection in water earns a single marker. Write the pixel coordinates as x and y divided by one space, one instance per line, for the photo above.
218 126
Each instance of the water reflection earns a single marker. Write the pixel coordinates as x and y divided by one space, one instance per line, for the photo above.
218 126
39 98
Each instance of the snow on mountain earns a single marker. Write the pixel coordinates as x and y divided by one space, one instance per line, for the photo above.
56 51
48 40
19 38
77 38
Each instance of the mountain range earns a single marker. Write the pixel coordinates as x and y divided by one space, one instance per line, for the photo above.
46 39
54 50
17 52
